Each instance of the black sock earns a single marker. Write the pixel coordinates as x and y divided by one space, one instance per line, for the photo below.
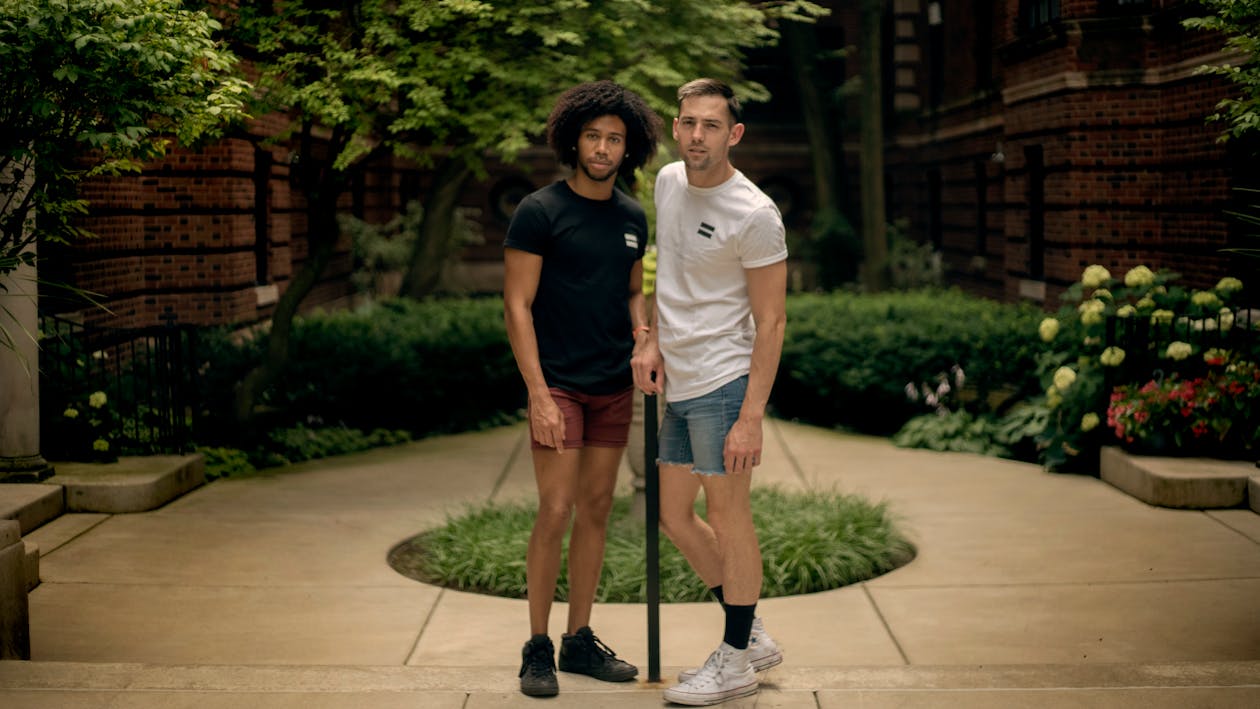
739 622
717 593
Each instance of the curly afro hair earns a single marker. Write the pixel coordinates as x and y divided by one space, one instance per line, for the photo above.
584 103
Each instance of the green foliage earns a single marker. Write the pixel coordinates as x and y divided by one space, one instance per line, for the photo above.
87 429
1159 327
421 366
380 248
460 79
90 87
294 445
912 264
1217 414
847 358
810 542
1239 22
1009 436
834 246
223 462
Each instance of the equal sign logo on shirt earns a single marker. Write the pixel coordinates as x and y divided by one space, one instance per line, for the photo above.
706 230
632 240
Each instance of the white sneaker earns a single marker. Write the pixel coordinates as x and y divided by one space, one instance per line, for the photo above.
763 652
725 675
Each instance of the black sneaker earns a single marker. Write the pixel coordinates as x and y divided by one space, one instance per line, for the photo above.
538 668
584 654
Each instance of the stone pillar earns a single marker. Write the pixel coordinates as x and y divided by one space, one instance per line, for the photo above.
15 622
20 459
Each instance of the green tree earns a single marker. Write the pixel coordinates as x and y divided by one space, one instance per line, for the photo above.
449 84
875 272
1239 22
89 87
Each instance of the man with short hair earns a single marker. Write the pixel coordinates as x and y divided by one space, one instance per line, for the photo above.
714 351
573 304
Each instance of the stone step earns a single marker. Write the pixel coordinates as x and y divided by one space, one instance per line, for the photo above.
31 504
1189 483
132 484
1222 685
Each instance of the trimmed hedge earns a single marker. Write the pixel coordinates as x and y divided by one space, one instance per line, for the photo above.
425 367
445 365
847 358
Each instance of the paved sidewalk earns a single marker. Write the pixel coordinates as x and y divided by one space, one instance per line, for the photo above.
1030 589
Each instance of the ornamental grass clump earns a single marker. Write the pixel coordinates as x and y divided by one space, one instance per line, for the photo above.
1133 329
810 541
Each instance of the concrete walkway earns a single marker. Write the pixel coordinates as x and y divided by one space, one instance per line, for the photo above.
1030 589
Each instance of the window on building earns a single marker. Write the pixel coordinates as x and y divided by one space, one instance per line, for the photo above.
936 54
1035 13
982 44
358 194
262 215
936 217
1034 161
1108 8
981 168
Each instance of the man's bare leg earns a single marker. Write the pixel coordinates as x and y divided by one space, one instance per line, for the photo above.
556 475
729 507
691 534
596 481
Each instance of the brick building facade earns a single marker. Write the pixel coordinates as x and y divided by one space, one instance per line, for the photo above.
1025 139
1033 137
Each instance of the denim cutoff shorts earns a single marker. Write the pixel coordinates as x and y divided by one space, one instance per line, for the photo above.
693 432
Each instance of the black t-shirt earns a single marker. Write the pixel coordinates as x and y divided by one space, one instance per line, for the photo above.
581 311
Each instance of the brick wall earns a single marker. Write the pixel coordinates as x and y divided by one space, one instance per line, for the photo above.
1130 171
1131 174
194 236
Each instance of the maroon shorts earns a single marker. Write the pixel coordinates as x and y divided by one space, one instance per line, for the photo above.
599 420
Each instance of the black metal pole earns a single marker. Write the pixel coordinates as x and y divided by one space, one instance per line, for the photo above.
651 516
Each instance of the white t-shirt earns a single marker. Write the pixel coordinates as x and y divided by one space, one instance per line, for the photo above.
705 239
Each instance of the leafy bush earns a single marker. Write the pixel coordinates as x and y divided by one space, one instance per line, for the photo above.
809 542
87 429
1112 331
420 366
1217 414
847 358
299 443
1009 436
436 365
222 462
294 445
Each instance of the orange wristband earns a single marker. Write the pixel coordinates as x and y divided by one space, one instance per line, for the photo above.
642 328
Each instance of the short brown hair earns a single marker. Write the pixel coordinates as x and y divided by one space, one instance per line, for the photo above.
712 87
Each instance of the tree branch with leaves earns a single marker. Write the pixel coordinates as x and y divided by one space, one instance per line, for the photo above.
93 88
453 85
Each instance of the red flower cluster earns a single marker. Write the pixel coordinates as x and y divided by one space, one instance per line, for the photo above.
1215 414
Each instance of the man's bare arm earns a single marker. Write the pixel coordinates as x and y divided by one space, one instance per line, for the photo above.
767 296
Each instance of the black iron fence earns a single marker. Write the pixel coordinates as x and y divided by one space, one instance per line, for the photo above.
107 391
1146 341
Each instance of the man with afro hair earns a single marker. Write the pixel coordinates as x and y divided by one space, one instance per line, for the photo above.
574 308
